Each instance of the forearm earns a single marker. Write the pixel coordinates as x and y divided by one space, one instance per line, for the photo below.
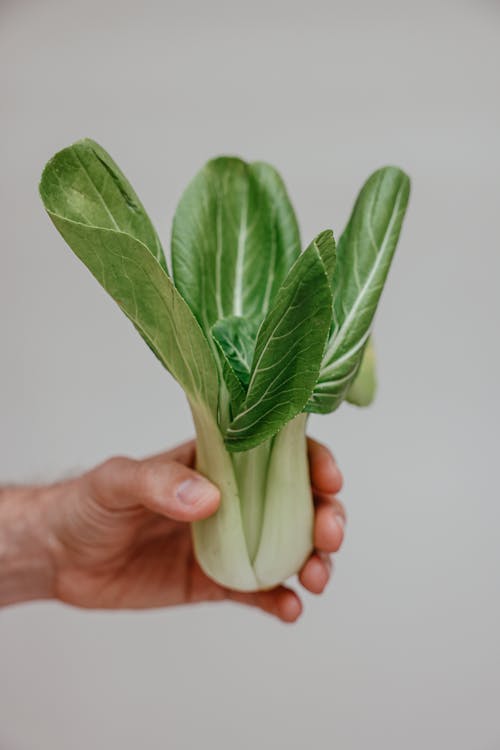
26 567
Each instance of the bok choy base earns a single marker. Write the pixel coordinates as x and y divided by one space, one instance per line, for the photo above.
256 332
262 532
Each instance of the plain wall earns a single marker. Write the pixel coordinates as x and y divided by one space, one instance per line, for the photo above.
402 651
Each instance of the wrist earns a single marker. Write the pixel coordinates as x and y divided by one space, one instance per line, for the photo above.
27 544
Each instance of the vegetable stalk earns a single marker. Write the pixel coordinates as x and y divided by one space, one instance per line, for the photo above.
262 532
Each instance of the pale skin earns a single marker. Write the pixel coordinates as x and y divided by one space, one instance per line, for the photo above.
118 537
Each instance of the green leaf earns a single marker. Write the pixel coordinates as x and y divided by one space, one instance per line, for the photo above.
130 273
236 340
234 237
364 255
363 388
285 245
326 246
83 184
288 352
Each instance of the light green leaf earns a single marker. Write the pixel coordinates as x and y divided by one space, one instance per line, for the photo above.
83 184
364 255
285 245
288 352
362 389
233 240
130 273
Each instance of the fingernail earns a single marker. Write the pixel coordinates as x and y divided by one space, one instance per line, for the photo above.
340 521
196 490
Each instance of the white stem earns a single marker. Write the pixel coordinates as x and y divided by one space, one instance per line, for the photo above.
262 532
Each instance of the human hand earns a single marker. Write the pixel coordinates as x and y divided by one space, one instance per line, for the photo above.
120 536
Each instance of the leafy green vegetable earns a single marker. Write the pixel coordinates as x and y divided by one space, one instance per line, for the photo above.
256 332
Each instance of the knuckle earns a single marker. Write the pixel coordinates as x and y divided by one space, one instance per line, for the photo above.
147 480
114 465
104 479
118 462
155 481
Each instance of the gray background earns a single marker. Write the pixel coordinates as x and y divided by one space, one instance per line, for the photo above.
402 651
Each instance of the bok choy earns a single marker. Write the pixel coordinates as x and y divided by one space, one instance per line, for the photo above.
257 333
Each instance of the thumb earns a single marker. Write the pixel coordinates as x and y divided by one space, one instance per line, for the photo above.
163 486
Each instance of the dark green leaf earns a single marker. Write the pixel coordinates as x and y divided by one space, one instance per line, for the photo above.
288 352
326 246
236 340
364 255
